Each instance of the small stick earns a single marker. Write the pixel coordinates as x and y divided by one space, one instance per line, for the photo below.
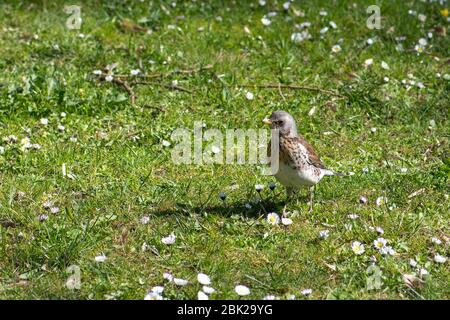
125 86
291 86
168 86
158 75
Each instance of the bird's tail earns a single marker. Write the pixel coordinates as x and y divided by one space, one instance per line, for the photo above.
328 172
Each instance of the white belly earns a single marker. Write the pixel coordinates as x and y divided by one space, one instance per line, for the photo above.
297 178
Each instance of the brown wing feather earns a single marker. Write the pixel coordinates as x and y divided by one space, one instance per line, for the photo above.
313 158
290 154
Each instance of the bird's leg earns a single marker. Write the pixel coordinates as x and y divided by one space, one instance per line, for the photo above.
289 195
311 199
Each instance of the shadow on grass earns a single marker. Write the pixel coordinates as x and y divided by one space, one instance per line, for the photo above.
253 209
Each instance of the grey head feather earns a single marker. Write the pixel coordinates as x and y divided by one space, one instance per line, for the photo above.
284 122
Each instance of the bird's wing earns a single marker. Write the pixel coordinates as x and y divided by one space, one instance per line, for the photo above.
312 157
292 153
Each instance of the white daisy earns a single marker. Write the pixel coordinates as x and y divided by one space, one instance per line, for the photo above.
97 72
379 243
306 24
42 217
109 78
440 259
203 279
423 272
101 258
158 289
202 296
333 24
145 220
370 41
135 72
296 37
419 48
47 204
242 290
381 201
265 21
306 292
249 95
379 230
286 221
368 62
270 297
384 65
168 276
54 210
336 48
170 239
387 250
208 290
259 187
165 143
363 200
436 240
273 218
180 282
44 121
324 234
412 263
153 296
358 247
353 216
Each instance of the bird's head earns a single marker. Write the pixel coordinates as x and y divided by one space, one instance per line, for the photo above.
282 121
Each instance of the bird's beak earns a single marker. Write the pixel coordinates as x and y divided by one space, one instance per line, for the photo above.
267 121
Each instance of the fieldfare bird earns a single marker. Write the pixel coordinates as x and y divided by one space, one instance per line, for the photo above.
299 164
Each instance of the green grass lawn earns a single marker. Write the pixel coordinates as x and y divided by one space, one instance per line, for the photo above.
387 123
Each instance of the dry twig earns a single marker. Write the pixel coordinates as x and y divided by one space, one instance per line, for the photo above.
292 87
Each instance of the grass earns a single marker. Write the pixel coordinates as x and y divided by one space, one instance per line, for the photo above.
122 172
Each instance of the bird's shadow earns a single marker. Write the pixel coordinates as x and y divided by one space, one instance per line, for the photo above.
226 209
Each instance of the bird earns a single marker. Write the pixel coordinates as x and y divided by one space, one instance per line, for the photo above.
299 164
